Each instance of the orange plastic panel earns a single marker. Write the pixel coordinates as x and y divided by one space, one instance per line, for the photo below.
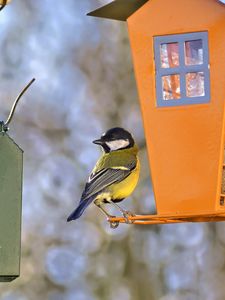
185 143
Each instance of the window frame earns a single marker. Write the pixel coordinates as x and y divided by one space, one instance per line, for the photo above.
182 69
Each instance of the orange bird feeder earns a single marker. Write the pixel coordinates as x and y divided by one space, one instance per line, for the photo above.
178 50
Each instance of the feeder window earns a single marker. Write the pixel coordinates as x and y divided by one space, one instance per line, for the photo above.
169 54
194 52
182 69
171 86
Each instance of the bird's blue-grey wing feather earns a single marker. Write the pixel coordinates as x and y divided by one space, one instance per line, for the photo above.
104 178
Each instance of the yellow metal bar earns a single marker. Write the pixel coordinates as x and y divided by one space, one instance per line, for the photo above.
2 1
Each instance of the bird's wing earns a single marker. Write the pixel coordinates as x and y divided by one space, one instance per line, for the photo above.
104 178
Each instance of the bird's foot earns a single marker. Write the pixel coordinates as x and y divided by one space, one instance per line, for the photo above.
127 215
113 224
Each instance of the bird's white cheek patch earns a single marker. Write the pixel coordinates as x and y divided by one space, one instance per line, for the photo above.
118 144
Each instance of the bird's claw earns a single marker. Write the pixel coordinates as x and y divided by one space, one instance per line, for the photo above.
127 215
113 224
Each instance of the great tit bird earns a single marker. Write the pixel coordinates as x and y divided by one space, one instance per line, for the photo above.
115 174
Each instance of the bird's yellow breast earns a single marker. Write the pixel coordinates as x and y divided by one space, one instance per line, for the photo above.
125 188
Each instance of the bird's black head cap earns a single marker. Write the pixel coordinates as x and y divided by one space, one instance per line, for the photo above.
117 133
114 134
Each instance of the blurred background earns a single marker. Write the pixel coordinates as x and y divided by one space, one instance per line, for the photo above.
85 85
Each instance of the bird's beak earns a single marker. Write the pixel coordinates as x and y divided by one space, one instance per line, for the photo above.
98 142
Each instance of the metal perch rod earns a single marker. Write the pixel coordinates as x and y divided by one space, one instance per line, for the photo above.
169 219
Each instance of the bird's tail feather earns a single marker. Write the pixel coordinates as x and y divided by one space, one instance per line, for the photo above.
80 209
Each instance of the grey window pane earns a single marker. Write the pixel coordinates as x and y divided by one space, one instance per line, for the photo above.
169 55
171 87
195 84
194 52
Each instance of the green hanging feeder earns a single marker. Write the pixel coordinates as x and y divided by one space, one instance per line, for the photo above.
11 170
